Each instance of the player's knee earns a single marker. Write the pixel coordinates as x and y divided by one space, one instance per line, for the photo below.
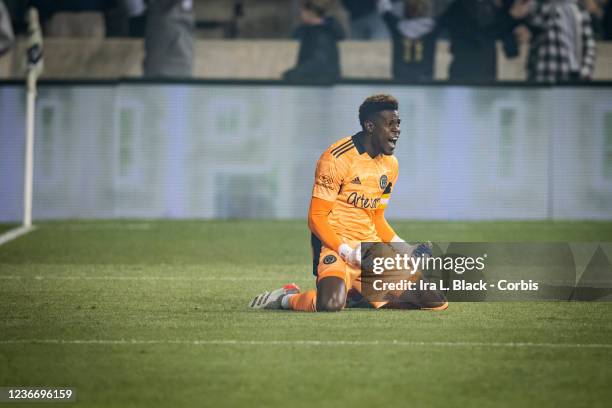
331 304
331 295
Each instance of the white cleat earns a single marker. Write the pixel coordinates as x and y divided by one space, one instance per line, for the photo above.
273 300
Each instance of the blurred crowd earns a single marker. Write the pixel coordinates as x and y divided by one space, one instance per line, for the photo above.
560 34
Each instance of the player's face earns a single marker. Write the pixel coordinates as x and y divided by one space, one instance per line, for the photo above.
386 131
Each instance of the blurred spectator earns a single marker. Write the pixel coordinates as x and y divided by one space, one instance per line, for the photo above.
522 34
439 6
135 10
318 57
6 30
169 39
562 46
595 9
365 22
87 18
73 18
473 27
607 21
127 18
414 40
17 11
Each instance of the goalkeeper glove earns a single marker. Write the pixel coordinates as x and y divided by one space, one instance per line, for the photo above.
423 250
349 255
417 250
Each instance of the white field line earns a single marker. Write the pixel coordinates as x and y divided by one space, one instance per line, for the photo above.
147 278
15 233
308 343
133 226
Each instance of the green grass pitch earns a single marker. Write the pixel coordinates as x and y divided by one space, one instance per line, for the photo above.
154 313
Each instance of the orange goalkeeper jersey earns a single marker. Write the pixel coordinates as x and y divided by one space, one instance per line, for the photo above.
357 184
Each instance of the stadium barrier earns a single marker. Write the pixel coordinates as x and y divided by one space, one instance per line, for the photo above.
248 150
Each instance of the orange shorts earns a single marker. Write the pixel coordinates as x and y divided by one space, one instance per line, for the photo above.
330 264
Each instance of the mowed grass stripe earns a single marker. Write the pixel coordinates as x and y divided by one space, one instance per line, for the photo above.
161 272
309 343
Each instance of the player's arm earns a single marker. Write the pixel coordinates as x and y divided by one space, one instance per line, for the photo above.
383 229
387 234
329 176
319 225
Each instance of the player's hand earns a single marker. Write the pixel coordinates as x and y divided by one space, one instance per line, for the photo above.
349 255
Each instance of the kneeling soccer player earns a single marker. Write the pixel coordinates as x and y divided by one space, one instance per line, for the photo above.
353 182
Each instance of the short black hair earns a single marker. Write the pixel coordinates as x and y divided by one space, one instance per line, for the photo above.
375 104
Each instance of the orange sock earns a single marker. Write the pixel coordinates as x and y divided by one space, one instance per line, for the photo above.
304 302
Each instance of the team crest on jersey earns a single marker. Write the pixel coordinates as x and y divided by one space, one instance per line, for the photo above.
383 182
329 259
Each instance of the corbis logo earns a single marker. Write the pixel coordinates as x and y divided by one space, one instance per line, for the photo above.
383 182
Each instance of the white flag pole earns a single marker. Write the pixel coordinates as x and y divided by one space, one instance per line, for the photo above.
35 67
